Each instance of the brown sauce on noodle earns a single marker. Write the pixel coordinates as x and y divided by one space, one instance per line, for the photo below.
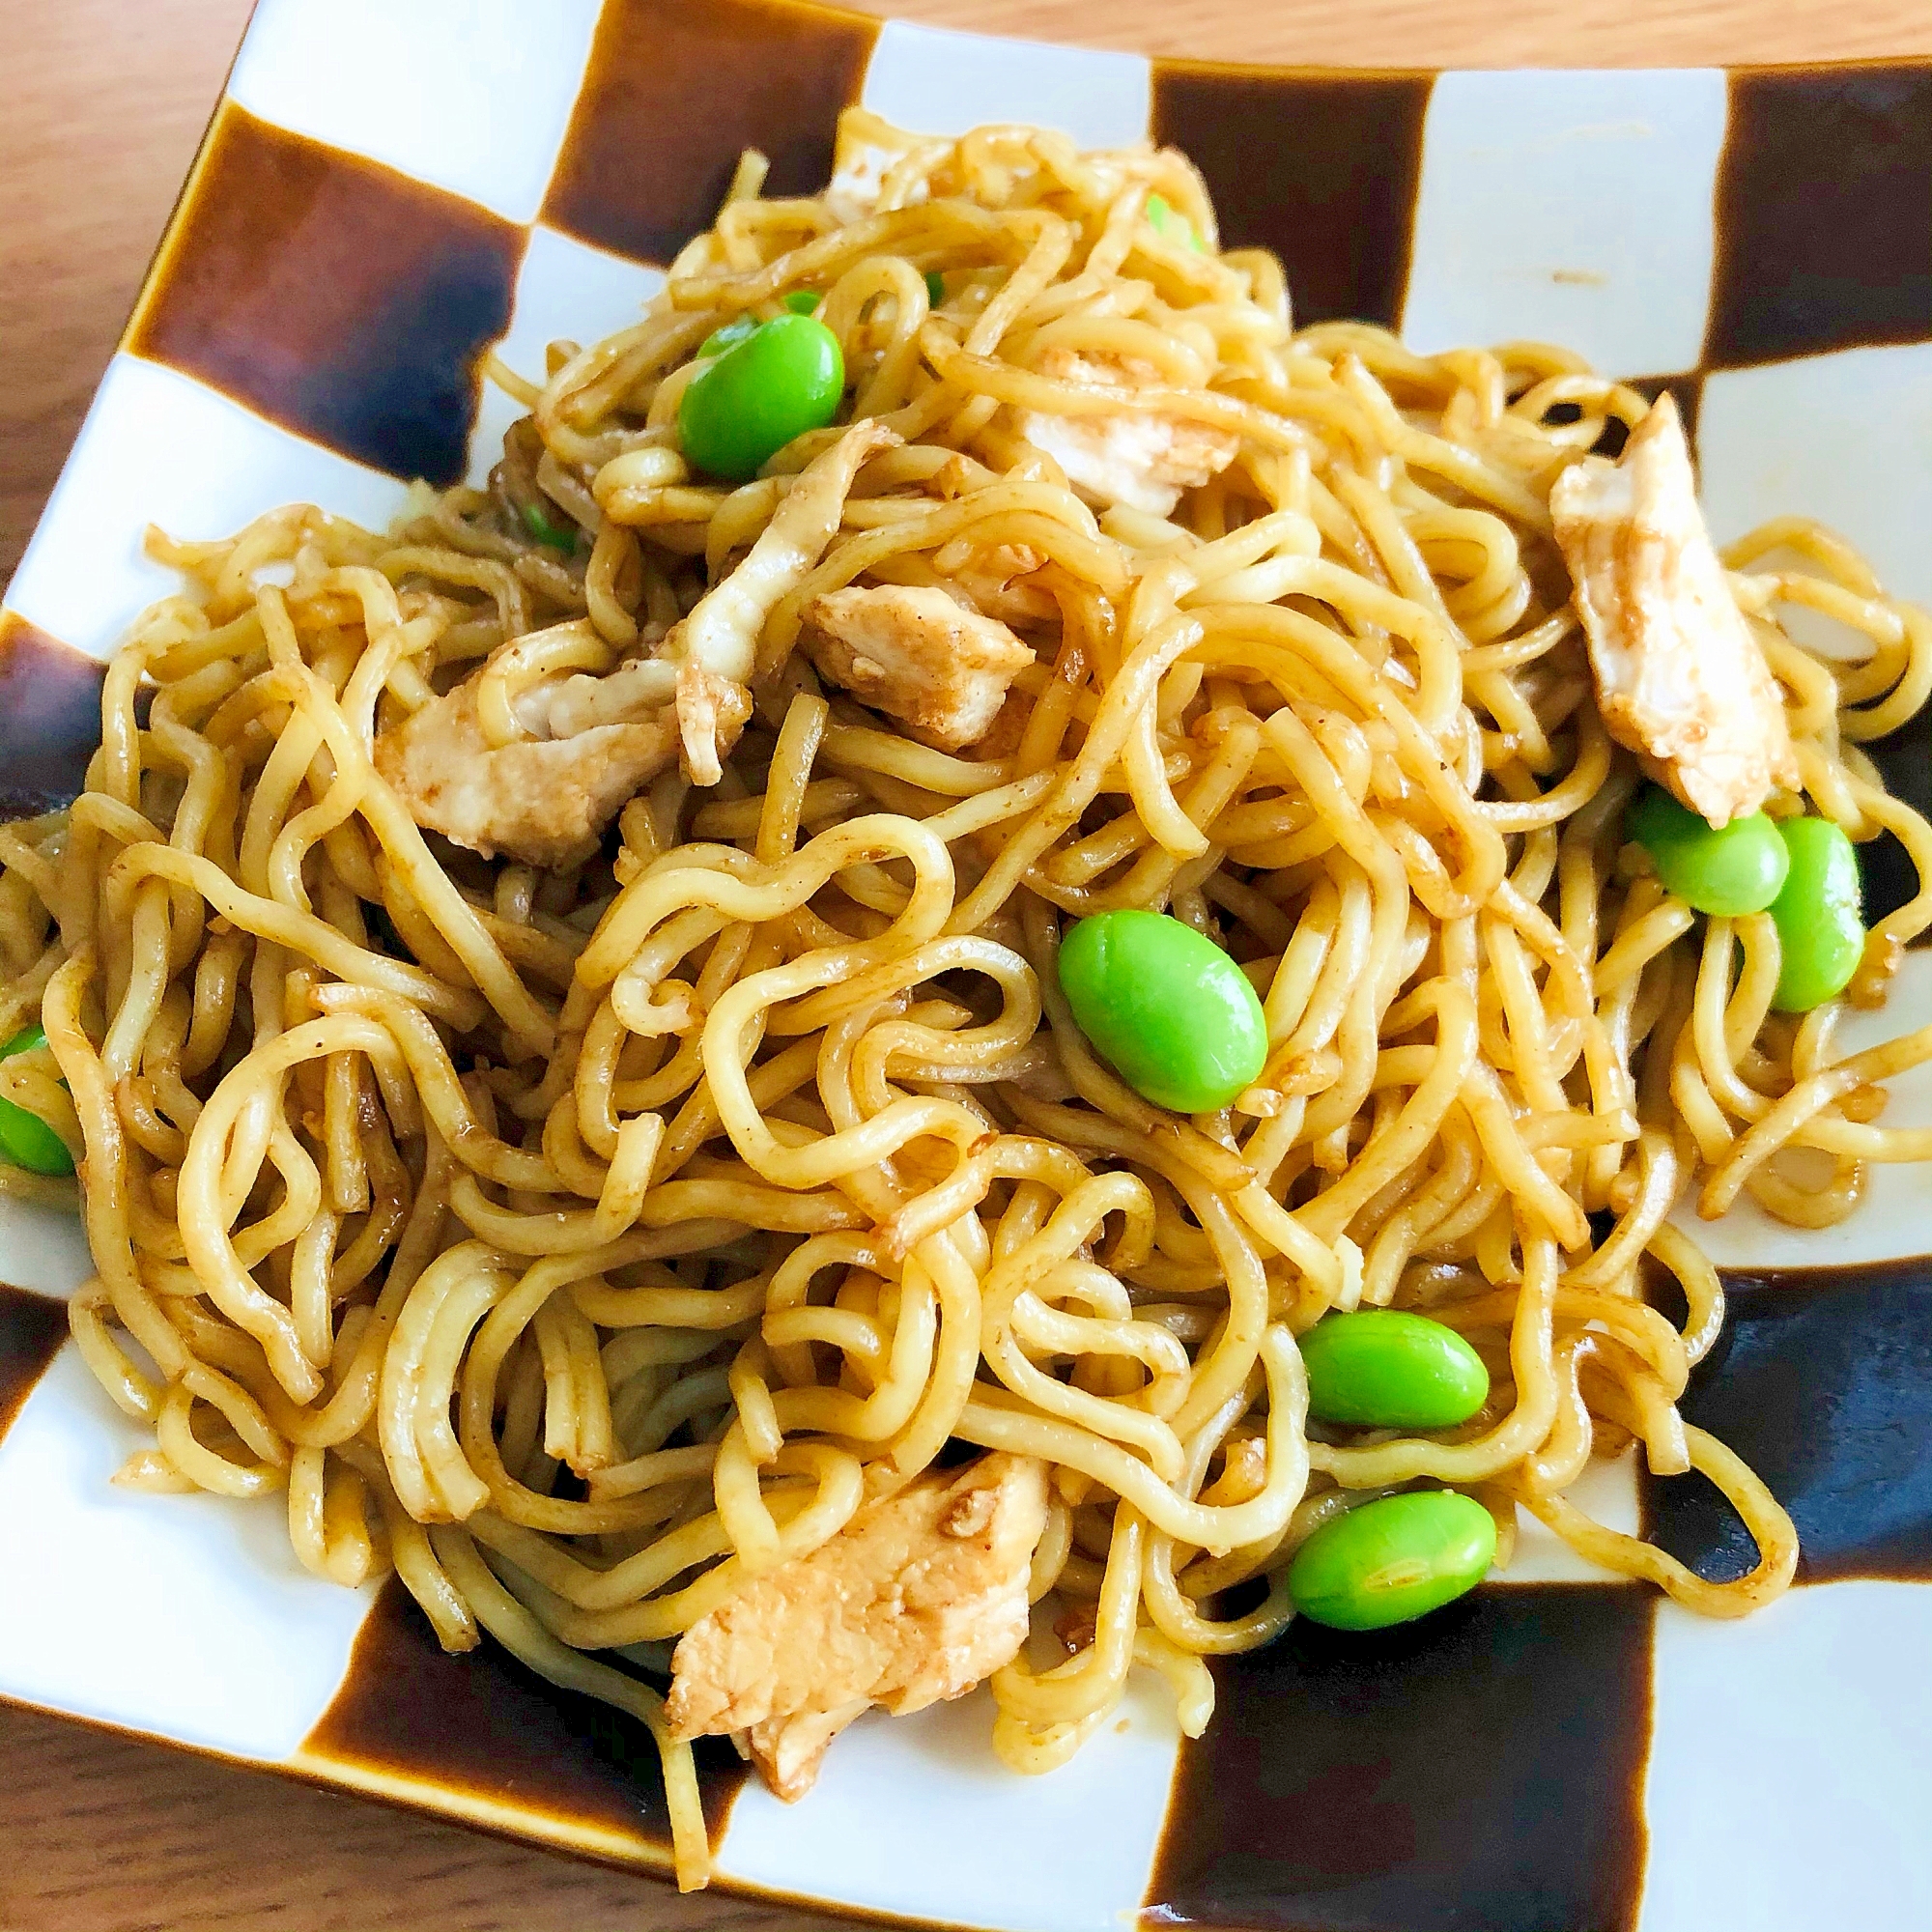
674 1195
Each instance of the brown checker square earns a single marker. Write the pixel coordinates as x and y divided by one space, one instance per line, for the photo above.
336 296
32 1329
1686 390
1321 169
675 89
483 1726
49 718
1823 1383
1481 1767
1824 214
1904 758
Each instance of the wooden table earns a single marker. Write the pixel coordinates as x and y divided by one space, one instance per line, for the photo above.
105 103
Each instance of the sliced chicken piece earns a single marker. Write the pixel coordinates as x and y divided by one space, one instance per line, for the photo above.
996 579
545 800
918 1599
1134 458
595 741
720 638
917 654
789 1750
1003 737
710 710
1680 678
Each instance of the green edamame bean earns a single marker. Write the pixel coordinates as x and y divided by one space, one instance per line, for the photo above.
1725 872
741 329
1393 1561
1173 1014
1171 225
555 535
738 412
25 1139
1821 935
801 301
1385 1368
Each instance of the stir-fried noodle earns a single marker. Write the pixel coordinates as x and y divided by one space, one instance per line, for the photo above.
582 1239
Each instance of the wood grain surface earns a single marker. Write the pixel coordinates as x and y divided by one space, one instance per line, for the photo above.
104 102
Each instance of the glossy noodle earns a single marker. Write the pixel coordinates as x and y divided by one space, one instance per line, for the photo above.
584 1239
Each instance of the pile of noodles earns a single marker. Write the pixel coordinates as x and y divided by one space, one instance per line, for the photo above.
578 1243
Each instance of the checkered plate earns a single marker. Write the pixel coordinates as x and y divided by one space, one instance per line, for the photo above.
385 191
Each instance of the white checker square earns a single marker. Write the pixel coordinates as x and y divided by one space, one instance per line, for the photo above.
934 82
43 1248
912 1811
1845 437
1499 253
472 96
1894 1219
1787 1765
566 290
158 447
187 1616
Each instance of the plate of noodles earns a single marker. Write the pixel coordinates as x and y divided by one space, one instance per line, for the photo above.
986 983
